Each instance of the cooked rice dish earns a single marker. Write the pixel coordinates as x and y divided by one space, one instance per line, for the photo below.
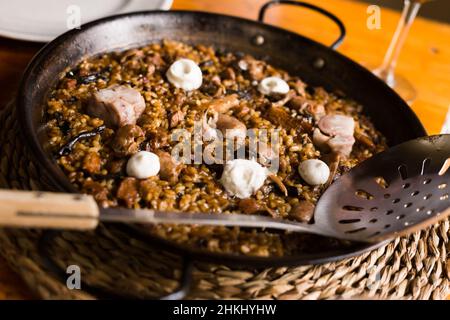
132 102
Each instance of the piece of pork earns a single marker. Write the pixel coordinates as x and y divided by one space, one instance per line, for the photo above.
337 125
335 134
116 106
320 140
342 145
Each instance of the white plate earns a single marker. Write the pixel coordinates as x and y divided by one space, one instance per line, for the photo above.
44 20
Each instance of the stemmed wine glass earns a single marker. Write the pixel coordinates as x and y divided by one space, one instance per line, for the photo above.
386 71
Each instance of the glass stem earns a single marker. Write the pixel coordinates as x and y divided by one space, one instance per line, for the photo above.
386 70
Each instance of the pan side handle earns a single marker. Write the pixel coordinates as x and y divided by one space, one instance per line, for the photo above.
335 44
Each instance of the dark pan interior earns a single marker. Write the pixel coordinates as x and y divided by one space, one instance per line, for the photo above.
313 62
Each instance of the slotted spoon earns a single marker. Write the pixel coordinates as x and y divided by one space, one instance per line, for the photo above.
396 192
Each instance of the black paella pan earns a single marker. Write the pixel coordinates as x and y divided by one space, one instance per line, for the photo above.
316 64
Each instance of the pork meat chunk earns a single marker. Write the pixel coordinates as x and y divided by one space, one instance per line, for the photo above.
116 106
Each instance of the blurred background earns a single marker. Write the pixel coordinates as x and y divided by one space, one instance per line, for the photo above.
438 10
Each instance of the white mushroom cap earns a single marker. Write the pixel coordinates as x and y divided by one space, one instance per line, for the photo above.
273 85
143 165
242 178
314 171
185 74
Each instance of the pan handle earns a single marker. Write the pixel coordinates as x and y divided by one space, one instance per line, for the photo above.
335 44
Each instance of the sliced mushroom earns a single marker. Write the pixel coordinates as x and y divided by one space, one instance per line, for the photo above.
286 98
127 140
365 140
231 127
255 68
302 211
298 103
303 105
214 87
300 87
280 117
229 74
250 206
213 118
170 167
333 160
224 104
276 179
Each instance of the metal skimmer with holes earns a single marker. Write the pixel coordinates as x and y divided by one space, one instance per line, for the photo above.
393 193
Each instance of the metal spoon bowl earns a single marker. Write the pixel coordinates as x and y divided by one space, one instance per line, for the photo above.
396 192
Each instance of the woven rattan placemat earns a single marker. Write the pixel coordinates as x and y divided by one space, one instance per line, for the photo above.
414 267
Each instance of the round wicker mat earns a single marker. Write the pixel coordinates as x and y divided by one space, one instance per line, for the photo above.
414 267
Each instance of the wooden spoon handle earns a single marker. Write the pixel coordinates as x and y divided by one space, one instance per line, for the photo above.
27 209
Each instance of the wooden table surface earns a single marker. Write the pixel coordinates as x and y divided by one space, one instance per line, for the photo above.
425 61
